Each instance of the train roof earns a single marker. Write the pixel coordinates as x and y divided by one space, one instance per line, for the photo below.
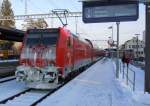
35 30
11 34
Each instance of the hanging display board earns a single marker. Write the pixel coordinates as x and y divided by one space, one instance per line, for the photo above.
95 11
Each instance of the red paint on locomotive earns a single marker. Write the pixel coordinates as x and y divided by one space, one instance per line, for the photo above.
64 51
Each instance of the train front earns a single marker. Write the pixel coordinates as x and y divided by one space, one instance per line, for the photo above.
38 57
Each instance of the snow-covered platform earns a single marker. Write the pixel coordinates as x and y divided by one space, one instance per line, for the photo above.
97 86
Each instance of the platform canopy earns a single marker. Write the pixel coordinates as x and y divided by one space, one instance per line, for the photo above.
11 34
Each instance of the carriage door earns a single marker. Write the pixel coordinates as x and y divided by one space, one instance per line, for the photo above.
69 54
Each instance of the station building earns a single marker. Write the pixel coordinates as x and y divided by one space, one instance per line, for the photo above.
137 46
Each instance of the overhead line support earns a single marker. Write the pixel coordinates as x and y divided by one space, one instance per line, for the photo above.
37 16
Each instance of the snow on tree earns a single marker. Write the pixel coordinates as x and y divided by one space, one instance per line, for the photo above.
39 23
6 10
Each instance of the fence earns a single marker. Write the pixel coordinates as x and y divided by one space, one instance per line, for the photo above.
127 75
113 54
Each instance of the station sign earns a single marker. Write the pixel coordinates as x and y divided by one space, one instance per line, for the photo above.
110 41
96 11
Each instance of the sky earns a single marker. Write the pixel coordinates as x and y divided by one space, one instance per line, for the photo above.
98 31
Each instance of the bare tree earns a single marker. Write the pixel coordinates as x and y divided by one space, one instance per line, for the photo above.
39 23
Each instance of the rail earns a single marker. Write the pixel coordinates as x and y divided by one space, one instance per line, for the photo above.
12 97
126 74
2 80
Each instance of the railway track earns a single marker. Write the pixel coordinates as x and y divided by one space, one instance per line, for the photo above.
7 71
12 97
3 80
9 67
28 97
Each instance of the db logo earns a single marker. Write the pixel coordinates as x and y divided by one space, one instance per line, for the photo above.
110 41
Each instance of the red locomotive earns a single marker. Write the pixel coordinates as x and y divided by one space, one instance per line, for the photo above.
49 55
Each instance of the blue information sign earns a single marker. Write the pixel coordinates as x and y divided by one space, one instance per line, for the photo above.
95 11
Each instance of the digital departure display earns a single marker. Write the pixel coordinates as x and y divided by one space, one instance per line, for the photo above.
107 12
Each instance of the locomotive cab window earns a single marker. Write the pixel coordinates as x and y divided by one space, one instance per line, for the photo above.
46 38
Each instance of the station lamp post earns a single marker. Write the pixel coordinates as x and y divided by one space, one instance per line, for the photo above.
117 68
111 27
137 45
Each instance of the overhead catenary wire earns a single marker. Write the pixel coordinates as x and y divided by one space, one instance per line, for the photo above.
46 15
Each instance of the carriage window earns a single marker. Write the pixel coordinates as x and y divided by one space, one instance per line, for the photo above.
69 42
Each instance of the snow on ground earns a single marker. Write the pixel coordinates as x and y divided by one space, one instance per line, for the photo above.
10 88
139 79
96 86
138 95
11 60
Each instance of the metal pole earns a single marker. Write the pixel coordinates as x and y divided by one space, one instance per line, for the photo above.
123 70
120 67
111 27
147 50
76 24
134 81
26 7
127 74
117 63
52 22
112 33
137 45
